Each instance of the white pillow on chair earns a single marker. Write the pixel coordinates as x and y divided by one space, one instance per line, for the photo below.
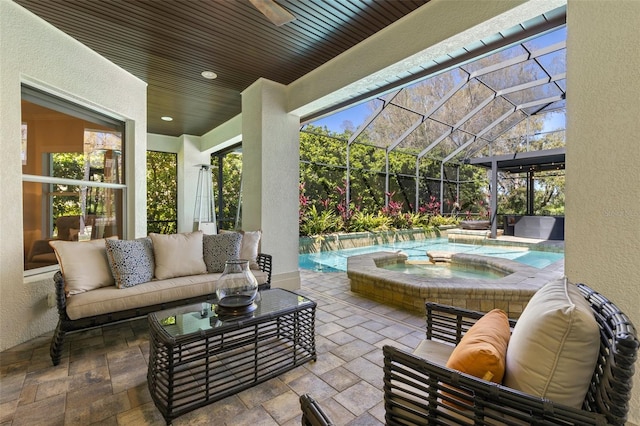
554 346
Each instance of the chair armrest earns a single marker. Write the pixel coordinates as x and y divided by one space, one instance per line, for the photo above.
312 413
449 323
265 263
417 391
61 296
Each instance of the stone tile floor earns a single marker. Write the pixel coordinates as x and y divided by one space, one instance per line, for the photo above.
102 376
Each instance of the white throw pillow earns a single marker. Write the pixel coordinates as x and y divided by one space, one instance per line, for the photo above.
554 347
178 255
84 265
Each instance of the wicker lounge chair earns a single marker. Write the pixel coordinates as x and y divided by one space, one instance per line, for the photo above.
420 392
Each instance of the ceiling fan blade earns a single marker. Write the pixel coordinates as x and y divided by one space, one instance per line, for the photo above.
273 11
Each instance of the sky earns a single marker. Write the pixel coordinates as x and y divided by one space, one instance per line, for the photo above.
357 114
335 122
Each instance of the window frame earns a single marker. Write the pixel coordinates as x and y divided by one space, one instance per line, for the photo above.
55 103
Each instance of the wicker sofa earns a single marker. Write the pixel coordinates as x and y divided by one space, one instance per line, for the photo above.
419 389
81 306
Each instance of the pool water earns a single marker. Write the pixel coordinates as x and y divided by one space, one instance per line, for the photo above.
444 271
336 260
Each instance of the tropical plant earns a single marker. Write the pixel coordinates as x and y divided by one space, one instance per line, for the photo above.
231 163
69 165
317 223
162 189
361 222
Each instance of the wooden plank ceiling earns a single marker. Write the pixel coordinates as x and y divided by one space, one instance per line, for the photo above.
169 43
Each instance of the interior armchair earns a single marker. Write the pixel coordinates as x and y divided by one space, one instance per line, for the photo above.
68 227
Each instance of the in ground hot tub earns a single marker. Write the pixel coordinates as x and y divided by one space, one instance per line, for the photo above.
444 270
444 265
511 293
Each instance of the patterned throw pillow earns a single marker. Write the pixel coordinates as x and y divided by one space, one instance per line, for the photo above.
250 246
131 261
220 248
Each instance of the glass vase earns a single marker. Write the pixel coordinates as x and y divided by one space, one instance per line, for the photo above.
237 287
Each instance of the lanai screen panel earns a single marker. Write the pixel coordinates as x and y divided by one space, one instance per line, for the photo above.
502 103
420 139
480 100
381 135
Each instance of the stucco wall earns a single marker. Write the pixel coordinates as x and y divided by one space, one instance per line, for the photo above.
603 154
35 53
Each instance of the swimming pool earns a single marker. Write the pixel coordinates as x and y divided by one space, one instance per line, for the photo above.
336 260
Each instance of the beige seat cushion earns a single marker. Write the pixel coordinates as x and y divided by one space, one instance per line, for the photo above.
178 255
436 352
111 299
554 346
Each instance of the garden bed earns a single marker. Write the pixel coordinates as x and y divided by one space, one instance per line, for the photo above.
341 241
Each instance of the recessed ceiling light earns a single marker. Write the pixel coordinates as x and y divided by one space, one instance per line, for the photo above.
209 74
166 118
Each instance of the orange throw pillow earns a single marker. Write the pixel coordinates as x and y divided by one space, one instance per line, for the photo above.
482 350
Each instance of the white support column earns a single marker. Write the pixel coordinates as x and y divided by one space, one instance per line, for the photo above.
271 173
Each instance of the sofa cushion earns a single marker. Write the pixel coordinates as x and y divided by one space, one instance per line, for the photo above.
220 248
178 255
83 264
250 246
482 350
554 346
111 299
131 261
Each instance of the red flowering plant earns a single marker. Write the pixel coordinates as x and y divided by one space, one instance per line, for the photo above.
433 206
393 211
332 215
313 221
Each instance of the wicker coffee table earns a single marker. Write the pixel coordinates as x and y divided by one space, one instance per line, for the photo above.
197 357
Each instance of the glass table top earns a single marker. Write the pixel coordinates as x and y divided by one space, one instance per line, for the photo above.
198 317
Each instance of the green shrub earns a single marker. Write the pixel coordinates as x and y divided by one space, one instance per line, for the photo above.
316 223
444 220
361 222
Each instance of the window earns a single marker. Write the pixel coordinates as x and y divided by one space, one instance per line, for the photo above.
162 192
227 178
73 176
